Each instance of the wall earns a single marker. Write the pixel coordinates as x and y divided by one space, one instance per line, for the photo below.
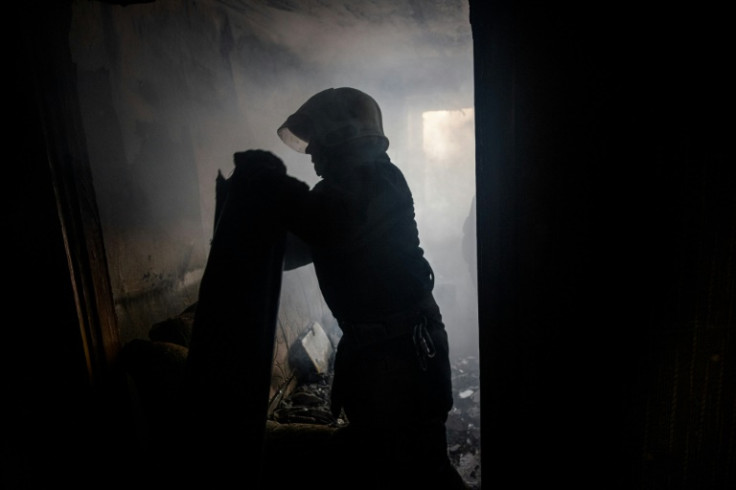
607 219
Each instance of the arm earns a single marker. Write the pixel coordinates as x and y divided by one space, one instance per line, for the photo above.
287 194
297 252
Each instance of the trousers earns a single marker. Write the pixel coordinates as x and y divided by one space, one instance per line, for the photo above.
392 382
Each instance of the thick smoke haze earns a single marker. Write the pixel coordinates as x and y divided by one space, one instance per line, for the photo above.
171 89
415 59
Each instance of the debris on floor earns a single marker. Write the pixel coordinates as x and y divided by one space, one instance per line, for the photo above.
463 422
309 403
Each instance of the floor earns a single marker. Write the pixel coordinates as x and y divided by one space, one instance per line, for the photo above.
298 433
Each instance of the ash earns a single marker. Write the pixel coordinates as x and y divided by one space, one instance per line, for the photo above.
309 403
463 422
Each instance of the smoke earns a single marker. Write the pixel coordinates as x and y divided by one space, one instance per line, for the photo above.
415 59
170 90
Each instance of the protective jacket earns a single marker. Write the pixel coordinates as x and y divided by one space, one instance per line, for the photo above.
360 227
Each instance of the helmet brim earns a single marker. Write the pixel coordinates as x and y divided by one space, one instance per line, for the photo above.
292 140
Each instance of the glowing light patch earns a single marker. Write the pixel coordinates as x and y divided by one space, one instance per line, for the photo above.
441 130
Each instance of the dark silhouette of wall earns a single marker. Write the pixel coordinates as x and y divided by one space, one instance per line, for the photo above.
606 225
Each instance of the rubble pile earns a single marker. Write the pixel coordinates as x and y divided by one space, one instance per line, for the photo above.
309 403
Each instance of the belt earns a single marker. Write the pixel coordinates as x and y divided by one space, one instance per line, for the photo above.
391 326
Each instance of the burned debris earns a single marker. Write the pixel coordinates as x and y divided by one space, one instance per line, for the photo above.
311 357
309 403
463 422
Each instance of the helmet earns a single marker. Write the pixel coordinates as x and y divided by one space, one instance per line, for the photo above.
333 117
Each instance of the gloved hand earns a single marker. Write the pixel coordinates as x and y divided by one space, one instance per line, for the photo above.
251 164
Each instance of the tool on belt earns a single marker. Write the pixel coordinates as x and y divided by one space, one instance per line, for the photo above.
423 343
367 334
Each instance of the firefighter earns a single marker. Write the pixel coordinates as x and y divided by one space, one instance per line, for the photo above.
357 226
